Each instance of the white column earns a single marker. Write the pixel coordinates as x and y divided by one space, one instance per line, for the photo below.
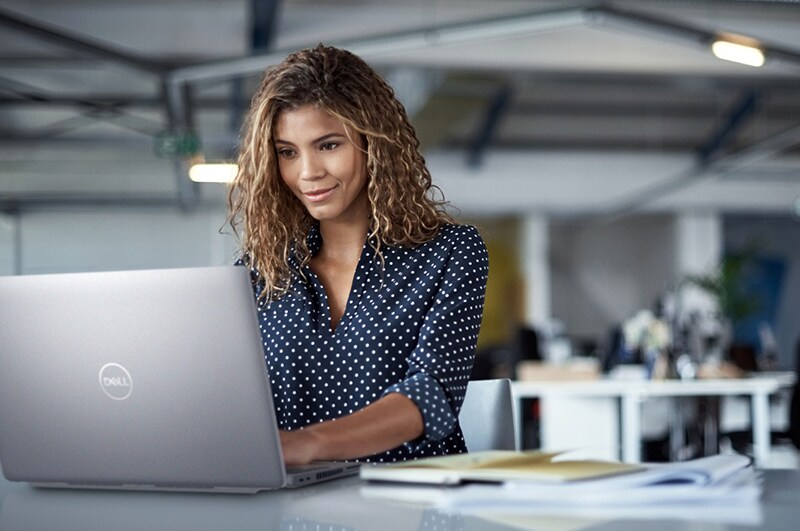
535 267
9 242
698 251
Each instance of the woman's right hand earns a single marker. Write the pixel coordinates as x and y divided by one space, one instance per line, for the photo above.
300 447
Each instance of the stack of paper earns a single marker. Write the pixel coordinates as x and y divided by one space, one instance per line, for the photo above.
729 480
709 479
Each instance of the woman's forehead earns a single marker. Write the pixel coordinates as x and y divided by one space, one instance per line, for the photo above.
307 120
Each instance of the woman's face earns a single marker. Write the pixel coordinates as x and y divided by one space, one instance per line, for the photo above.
321 165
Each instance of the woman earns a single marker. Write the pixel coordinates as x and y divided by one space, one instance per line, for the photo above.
370 296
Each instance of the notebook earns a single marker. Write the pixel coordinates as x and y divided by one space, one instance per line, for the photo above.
151 379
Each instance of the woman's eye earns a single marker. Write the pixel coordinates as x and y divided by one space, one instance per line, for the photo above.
285 153
327 146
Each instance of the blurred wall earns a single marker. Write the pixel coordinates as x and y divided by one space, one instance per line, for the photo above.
603 273
776 237
114 239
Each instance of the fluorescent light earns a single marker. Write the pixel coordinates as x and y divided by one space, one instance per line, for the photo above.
213 173
744 52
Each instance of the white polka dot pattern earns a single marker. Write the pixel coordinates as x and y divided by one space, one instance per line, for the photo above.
410 327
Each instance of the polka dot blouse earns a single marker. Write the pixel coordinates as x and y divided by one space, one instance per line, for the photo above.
409 327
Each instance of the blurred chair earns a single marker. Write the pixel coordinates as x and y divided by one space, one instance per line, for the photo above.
487 416
794 416
794 407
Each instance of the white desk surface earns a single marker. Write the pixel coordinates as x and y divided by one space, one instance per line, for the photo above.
342 505
768 383
630 393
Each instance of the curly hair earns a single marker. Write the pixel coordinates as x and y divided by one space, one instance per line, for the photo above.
274 223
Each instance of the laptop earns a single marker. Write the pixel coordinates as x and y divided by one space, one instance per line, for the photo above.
144 380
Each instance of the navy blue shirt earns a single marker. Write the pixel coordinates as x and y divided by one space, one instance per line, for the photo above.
410 326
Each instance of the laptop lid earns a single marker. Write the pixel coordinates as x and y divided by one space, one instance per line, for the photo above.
136 379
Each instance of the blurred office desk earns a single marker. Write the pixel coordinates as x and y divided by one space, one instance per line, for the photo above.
346 505
597 413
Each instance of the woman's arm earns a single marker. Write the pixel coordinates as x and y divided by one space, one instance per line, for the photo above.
440 364
382 425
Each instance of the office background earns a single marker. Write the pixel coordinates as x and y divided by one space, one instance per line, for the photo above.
602 149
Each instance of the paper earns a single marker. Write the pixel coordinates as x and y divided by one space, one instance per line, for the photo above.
720 485
496 466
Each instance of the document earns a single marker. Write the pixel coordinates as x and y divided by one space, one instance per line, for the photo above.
496 466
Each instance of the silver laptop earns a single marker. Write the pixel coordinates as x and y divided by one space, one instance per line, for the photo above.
149 380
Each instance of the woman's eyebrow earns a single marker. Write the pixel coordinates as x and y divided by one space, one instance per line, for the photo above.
315 141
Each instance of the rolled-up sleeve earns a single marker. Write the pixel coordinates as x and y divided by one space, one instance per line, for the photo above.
439 366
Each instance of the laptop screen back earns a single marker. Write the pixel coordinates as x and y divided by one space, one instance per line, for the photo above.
136 378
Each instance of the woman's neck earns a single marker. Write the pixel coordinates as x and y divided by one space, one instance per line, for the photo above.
343 241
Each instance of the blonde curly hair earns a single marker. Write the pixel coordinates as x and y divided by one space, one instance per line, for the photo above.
273 222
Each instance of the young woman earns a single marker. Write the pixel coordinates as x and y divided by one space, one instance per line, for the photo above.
370 295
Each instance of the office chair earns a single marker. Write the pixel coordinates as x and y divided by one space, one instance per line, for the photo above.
487 416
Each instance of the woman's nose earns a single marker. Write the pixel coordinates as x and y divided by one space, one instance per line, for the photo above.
311 167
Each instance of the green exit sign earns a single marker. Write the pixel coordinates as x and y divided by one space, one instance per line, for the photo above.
169 144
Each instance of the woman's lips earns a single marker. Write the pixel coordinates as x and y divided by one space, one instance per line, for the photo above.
315 196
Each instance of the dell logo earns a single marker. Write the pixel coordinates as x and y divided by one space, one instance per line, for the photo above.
116 381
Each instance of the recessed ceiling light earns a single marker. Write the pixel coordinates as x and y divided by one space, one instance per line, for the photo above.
213 173
738 49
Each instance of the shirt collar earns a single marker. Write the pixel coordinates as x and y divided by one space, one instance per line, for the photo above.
314 239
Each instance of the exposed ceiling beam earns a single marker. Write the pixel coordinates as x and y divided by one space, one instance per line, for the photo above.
689 33
75 41
743 111
376 48
717 167
263 24
373 48
264 21
497 107
26 202
758 151
178 106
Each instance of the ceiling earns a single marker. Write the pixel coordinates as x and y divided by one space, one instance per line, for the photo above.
565 108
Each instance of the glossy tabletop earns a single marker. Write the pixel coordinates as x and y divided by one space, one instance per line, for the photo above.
350 504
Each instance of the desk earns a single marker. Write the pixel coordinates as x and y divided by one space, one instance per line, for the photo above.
625 396
342 505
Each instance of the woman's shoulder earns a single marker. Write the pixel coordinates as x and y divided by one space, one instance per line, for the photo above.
459 236
451 240
459 230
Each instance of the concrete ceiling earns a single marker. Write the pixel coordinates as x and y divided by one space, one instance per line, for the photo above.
566 108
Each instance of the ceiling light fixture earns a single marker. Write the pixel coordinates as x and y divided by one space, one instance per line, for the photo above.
213 173
738 49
